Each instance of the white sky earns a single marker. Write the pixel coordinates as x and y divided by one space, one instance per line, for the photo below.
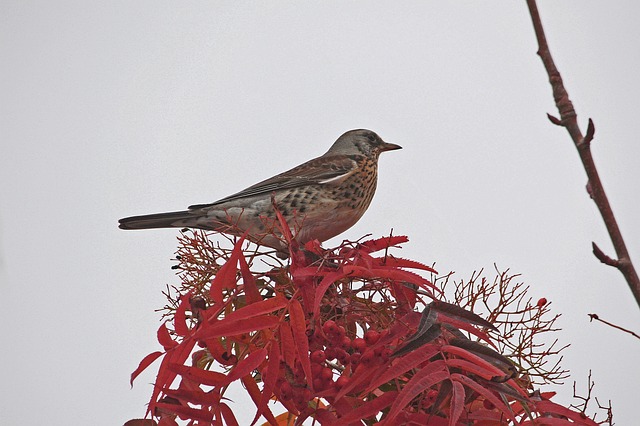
110 109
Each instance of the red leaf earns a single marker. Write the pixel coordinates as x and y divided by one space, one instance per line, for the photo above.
420 419
484 392
273 366
406 363
180 317
405 294
247 365
299 329
363 374
463 353
370 408
390 274
308 271
343 407
398 262
229 417
163 379
326 282
232 327
250 288
314 247
165 376
457 402
286 231
420 382
164 337
186 412
269 377
288 347
321 415
471 367
197 396
255 394
550 407
258 308
198 375
146 361
378 244
226 276
550 421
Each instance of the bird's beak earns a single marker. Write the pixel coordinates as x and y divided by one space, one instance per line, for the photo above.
386 146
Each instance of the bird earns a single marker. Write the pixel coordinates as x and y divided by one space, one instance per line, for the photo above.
318 199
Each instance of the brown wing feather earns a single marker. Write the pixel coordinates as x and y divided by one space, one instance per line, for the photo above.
316 171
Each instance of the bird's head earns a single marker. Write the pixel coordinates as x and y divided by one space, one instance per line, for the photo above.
361 142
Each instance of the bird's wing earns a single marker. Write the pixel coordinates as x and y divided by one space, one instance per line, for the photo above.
318 171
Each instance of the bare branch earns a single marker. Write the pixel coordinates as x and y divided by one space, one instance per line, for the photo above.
586 399
591 130
568 119
603 257
555 120
597 318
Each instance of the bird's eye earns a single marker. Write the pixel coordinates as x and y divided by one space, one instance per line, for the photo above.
371 137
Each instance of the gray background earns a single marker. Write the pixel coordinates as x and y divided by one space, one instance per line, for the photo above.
117 108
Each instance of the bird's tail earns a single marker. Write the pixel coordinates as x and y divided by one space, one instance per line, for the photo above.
180 219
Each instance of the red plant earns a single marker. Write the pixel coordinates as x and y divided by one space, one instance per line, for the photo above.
521 322
345 336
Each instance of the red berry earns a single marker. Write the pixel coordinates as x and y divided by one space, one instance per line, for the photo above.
542 302
359 344
371 337
330 353
326 374
355 359
336 336
342 356
385 355
345 343
342 382
318 356
329 327
316 369
318 338
430 397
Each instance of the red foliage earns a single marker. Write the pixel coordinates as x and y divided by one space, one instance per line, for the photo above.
337 336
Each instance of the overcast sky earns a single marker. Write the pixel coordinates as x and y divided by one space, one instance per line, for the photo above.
110 109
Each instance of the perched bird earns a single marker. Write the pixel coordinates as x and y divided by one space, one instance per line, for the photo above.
319 199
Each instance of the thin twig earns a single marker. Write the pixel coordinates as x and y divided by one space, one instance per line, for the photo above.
568 119
597 252
597 318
